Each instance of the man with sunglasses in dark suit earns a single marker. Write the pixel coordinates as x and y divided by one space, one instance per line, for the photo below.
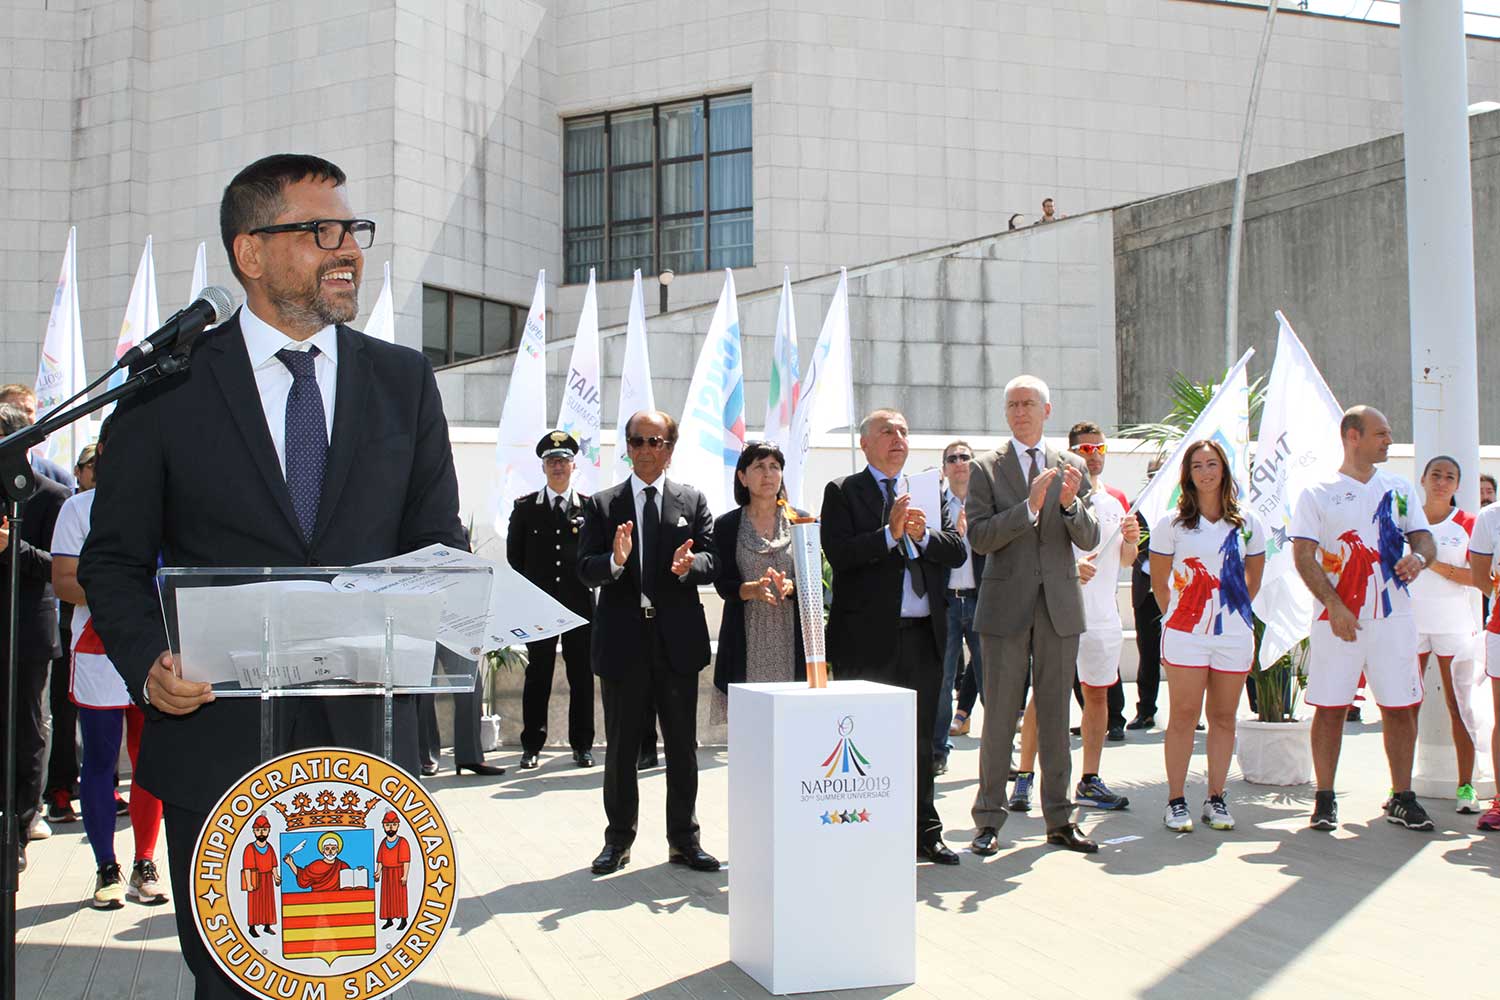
647 544
292 440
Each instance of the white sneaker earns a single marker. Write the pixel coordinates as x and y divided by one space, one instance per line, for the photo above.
39 830
1216 813
145 884
1177 819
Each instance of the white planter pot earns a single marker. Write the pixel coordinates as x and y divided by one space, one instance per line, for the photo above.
1274 753
489 733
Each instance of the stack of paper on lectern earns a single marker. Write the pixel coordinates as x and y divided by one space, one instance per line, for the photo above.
317 634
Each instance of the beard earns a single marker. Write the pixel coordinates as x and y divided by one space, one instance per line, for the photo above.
308 303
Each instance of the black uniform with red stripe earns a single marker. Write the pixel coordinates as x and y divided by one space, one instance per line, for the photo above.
542 545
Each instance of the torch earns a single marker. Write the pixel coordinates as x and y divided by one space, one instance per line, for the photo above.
807 560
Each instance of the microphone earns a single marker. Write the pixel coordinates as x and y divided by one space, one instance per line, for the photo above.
213 305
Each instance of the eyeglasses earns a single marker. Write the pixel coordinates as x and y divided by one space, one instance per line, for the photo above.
653 442
959 457
87 465
1091 449
329 233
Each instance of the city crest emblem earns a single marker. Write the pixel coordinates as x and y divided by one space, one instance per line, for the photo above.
323 873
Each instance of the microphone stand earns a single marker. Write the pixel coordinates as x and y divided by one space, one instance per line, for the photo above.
17 484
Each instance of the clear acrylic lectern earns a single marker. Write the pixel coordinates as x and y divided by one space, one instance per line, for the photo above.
317 631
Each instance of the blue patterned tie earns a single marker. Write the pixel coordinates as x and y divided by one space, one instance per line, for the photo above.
306 437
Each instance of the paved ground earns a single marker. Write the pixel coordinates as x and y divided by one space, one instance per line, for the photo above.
1271 909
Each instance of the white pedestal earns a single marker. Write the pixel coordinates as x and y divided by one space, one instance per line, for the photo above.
822 835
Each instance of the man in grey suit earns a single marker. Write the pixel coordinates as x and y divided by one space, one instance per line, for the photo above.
1026 510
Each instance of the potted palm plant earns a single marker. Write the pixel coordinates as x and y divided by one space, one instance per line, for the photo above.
495 662
1275 748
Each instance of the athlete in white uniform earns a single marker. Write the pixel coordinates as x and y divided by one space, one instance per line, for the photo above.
1098 663
1347 539
1446 608
1207 557
1486 574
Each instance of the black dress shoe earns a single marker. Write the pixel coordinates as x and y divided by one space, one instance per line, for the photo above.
1116 734
940 766
1070 837
480 768
429 770
1141 722
583 758
530 761
1075 730
645 760
252 931
986 842
694 857
268 929
610 860
938 853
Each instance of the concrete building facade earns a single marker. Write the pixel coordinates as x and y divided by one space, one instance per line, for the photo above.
879 130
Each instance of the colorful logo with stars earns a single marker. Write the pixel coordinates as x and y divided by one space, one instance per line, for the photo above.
846 756
847 816
323 873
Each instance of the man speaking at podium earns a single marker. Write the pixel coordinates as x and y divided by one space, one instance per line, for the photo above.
293 440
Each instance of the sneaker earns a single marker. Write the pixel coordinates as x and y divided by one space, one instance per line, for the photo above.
39 830
1092 791
1468 800
109 888
1216 813
1491 818
1177 819
1325 812
1020 798
1405 810
60 807
145 883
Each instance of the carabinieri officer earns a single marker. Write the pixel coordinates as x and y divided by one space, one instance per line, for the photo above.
542 545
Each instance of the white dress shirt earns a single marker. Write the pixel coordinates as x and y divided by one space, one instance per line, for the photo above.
551 497
963 577
1028 465
637 552
912 606
273 380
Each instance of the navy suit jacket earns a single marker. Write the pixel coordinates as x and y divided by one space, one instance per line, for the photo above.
191 473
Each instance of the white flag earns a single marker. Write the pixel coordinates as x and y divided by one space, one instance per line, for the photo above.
60 374
781 395
142 315
712 433
582 399
382 324
827 391
1226 419
635 380
200 273
523 418
1299 445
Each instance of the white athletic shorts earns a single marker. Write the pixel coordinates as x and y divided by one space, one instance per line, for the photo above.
1492 654
1445 644
1099 656
1384 650
1228 654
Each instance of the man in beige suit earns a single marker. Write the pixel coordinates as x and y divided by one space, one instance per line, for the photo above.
1026 510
